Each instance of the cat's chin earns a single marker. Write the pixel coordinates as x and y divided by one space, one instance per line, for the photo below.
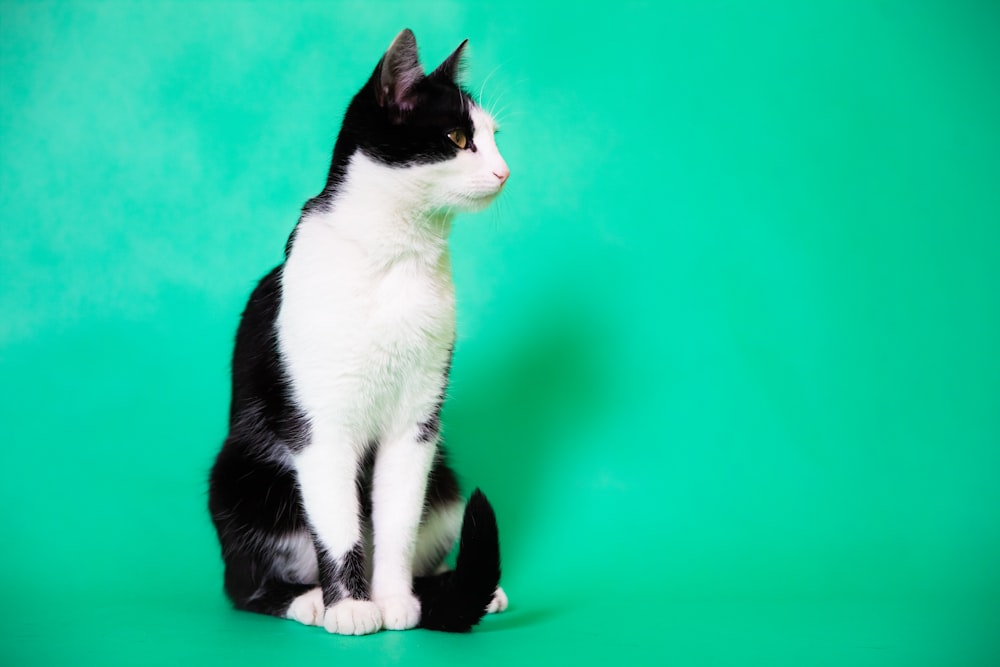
475 204
468 205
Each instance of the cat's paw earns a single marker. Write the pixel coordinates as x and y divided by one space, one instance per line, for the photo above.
308 608
399 612
353 617
498 603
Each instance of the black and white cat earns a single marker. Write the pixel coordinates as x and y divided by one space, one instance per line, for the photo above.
331 496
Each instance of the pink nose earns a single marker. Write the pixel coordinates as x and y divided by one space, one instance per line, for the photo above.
502 172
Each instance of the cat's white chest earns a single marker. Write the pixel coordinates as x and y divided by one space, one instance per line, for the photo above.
366 347
409 328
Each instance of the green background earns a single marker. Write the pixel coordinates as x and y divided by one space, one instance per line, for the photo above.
728 344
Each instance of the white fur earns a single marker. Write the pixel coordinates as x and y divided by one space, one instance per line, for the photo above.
399 612
296 559
324 472
353 617
366 325
401 469
437 535
307 608
498 603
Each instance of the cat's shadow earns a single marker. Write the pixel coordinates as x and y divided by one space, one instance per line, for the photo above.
515 618
514 410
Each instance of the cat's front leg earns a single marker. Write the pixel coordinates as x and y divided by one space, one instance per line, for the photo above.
400 482
326 471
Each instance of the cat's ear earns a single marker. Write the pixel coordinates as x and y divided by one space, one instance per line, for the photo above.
397 74
450 69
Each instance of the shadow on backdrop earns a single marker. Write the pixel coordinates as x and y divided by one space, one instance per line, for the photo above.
515 413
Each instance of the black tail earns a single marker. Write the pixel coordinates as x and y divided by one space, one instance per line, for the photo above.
455 601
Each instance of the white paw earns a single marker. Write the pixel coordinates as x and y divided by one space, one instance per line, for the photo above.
399 612
498 603
307 608
353 617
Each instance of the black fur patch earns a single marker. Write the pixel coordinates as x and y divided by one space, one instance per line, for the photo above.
419 136
442 485
351 573
431 427
261 404
363 478
344 577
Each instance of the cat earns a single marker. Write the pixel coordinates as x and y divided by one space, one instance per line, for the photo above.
332 498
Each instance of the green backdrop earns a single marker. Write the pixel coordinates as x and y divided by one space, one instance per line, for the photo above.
728 345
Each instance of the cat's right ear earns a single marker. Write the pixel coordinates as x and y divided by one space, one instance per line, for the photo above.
397 74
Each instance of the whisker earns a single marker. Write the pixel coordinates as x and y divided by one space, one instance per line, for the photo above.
482 87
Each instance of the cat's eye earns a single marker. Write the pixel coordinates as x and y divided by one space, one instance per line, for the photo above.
458 138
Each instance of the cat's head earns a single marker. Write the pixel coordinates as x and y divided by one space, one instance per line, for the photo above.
428 128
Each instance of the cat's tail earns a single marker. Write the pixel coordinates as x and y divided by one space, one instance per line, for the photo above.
455 601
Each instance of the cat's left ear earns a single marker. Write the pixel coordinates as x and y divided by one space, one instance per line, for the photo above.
397 74
450 69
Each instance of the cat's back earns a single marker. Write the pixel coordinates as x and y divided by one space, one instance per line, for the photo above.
261 391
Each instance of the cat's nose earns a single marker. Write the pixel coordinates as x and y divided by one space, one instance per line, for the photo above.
502 172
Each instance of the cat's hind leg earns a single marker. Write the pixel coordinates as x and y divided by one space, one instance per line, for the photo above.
270 561
271 596
499 602
436 537
279 577
308 608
